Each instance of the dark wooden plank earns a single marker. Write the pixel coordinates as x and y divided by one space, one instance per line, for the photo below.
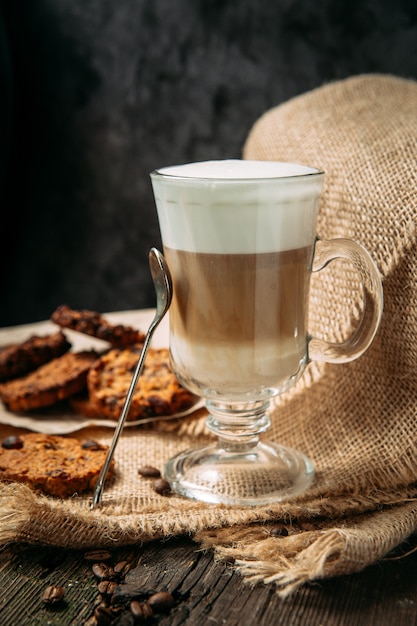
206 592
27 571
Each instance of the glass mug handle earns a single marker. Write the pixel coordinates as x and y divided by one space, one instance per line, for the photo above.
355 345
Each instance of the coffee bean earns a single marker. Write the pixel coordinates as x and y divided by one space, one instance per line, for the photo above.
104 616
161 601
307 526
279 531
12 443
98 556
121 569
107 587
102 571
162 487
141 611
53 594
147 471
136 608
147 610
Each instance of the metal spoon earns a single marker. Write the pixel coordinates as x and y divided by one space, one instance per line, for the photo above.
163 287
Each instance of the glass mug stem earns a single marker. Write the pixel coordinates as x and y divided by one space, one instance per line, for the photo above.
239 469
238 426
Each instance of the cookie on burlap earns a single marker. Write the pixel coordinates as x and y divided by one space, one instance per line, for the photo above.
50 383
21 358
158 391
94 324
56 465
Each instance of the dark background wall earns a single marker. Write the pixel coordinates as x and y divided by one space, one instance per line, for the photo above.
95 94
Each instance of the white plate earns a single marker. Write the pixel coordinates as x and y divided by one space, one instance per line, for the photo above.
53 421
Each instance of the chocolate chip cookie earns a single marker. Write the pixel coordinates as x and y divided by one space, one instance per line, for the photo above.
94 324
158 391
21 358
56 465
50 383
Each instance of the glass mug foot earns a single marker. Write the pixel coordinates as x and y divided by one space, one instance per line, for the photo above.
239 469
261 475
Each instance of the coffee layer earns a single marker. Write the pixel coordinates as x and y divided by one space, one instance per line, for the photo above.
238 321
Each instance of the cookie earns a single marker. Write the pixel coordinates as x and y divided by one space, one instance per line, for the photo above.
158 391
50 383
21 358
93 324
82 404
56 465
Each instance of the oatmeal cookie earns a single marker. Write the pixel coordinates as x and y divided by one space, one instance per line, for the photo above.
158 392
93 324
56 465
82 404
50 383
21 358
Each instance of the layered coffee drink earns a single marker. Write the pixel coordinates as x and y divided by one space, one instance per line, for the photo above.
240 241
240 256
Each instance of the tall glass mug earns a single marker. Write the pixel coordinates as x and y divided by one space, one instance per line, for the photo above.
240 241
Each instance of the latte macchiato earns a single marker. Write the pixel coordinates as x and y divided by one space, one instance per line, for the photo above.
240 241
239 253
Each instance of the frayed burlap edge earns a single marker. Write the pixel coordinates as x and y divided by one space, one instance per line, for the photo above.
331 549
29 517
327 546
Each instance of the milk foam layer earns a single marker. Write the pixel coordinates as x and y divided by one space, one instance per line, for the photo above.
237 206
236 169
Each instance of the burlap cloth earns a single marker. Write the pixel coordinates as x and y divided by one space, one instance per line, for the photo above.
356 421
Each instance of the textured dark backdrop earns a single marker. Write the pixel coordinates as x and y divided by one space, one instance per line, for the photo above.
97 93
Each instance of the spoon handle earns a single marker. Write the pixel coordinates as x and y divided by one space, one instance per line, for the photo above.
102 477
163 287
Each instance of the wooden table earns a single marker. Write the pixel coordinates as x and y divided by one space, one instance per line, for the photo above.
206 592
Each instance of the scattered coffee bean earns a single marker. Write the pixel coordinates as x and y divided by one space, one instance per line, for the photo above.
110 610
162 487
12 443
121 569
103 615
307 526
98 556
279 531
53 594
136 608
147 610
141 611
107 587
161 601
149 472
102 571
